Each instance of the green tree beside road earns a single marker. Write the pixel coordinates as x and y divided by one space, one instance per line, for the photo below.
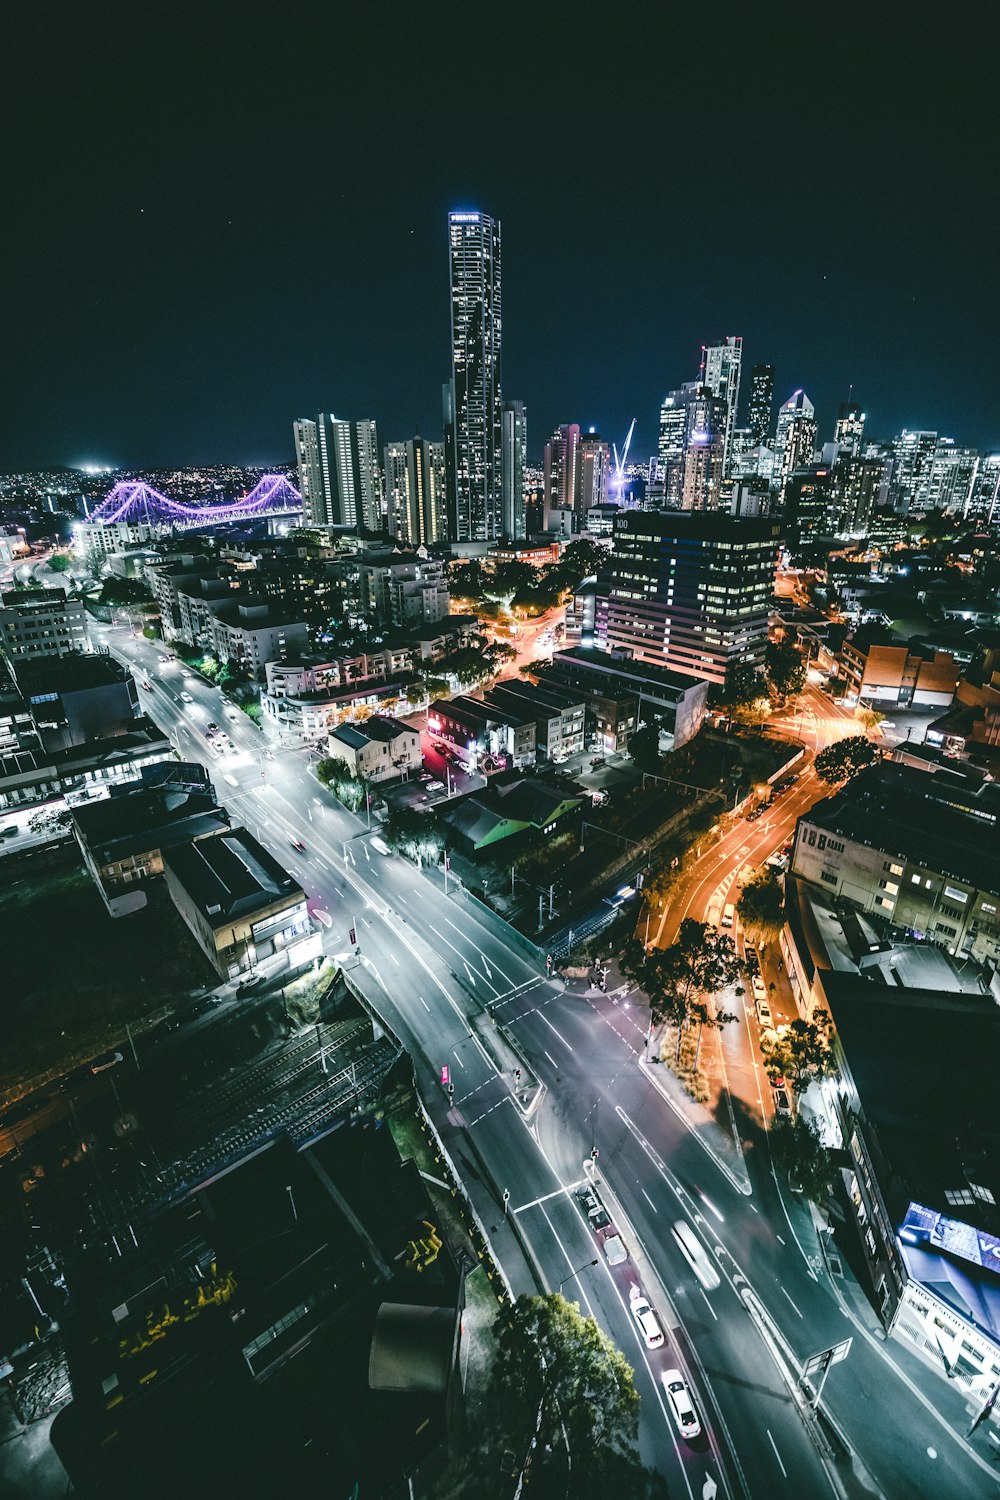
346 787
800 1051
418 835
681 981
785 668
845 758
796 1146
761 905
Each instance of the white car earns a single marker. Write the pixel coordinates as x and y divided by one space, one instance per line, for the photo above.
645 1318
380 845
675 1388
764 1018
757 985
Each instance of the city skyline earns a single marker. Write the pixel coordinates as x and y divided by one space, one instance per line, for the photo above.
158 322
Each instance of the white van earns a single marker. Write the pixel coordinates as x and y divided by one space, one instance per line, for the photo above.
693 1252
728 914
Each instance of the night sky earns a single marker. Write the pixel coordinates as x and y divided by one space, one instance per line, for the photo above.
219 218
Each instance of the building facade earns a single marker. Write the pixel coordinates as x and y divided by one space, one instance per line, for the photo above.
476 406
514 458
691 592
721 366
339 475
41 622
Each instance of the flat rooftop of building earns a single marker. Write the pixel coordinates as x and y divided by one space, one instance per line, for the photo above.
949 822
474 712
74 673
142 820
231 875
544 696
590 659
31 599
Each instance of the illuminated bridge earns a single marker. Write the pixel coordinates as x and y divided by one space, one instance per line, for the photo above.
131 500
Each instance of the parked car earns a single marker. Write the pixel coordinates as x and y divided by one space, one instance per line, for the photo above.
252 982
645 1318
782 1104
764 1017
380 844
678 1395
757 986
9 832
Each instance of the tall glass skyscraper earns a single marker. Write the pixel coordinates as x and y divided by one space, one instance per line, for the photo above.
475 498
761 400
720 373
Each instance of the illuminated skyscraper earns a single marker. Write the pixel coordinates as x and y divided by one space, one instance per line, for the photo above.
720 374
761 401
794 439
670 451
592 475
850 429
414 487
477 401
339 473
561 461
704 451
515 452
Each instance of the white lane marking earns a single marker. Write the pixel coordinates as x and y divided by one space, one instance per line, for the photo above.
559 1192
708 1304
778 1238
569 1260
649 1200
395 960
551 1058
423 1002
553 1029
785 1294
469 971
754 1207
455 1055
776 1453
403 899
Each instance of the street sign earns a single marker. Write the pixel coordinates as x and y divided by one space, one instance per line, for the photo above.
826 1357
354 937
445 1076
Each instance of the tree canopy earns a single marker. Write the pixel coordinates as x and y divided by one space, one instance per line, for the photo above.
60 562
564 1409
762 904
796 1146
744 693
124 591
800 1051
845 758
416 834
681 981
785 668
345 786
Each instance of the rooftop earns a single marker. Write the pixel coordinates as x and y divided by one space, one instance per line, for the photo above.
143 820
73 673
231 875
592 661
947 822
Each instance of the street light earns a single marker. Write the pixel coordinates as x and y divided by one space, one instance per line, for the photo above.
573 1274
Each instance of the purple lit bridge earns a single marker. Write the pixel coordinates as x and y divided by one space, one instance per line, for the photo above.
131 500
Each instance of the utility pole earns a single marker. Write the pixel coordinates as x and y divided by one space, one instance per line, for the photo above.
552 909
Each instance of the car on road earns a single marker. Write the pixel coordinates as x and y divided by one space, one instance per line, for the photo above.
782 1104
186 698
321 915
231 779
212 724
679 1402
645 1318
148 686
694 1253
298 846
380 844
252 982
10 832
435 786
614 1249
728 914
757 986
764 1017
757 812
105 1061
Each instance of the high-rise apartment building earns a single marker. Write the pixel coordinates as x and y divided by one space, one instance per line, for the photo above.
850 429
476 394
514 458
854 491
414 487
720 374
592 475
983 504
691 591
339 474
794 439
692 447
704 451
560 463
951 477
761 401
906 477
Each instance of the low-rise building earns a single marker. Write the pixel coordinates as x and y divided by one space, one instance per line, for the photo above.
612 681
559 714
377 749
304 717
39 623
123 837
78 698
484 819
249 633
918 848
29 774
495 733
889 676
240 905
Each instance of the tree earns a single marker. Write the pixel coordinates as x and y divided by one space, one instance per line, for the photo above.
679 980
796 1146
762 904
60 562
465 579
124 591
868 718
744 693
416 834
845 758
785 668
345 786
563 1401
801 1051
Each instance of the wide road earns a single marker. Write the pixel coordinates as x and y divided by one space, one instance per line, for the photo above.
433 967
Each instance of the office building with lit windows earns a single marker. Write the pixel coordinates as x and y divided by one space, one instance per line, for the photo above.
476 397
415 492
691 591
720 374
